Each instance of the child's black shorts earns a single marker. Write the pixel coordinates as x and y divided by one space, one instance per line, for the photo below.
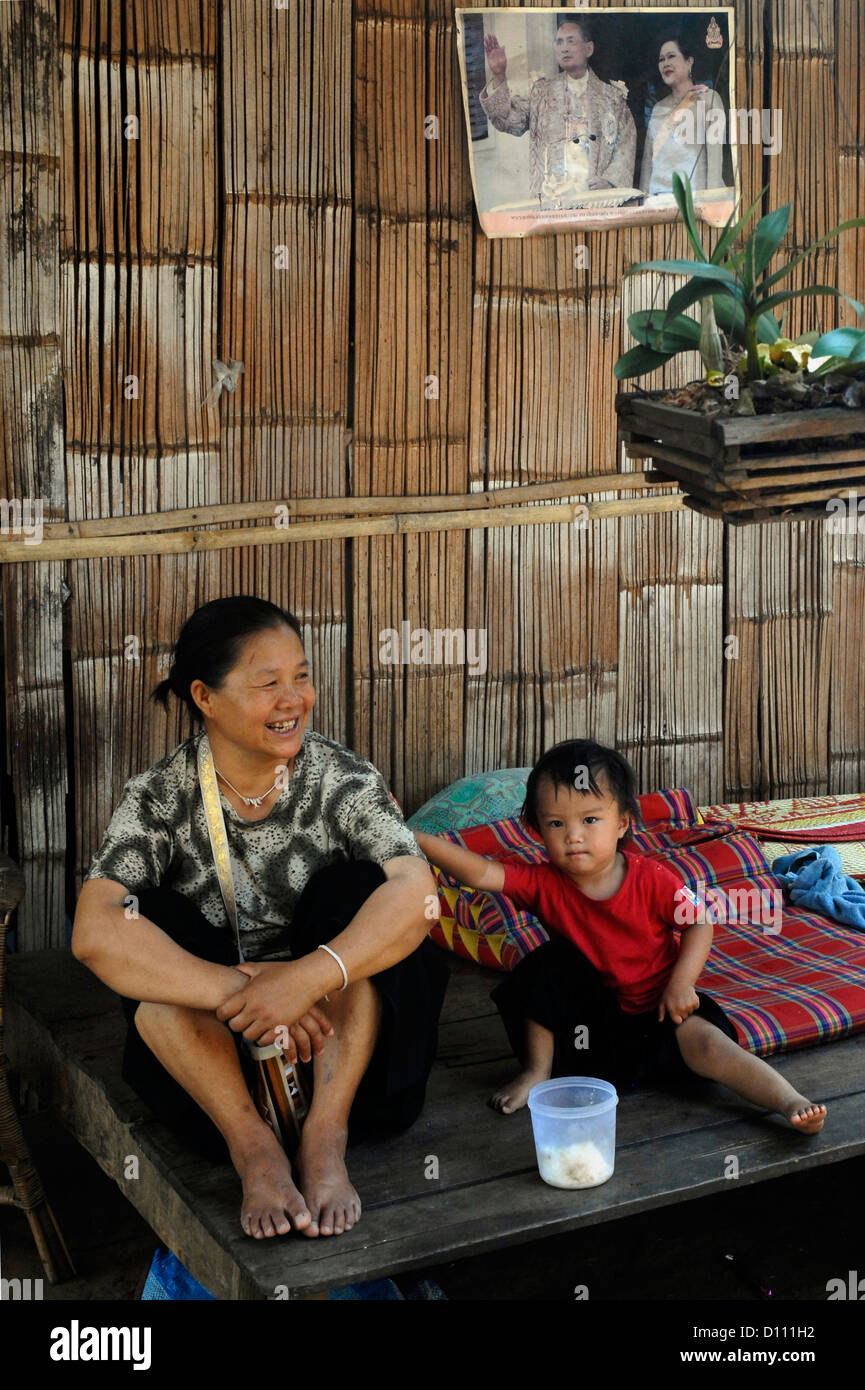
560 989
391 1093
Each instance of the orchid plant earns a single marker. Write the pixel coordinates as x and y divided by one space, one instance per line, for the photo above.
735 276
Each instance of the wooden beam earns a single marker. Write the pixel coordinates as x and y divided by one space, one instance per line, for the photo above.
145 543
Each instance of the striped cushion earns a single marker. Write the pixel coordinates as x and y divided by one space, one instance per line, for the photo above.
490 796
782 989
669 807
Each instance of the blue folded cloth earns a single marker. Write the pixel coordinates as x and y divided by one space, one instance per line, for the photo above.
814 880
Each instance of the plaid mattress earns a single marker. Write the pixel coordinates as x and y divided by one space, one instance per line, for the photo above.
785 977
809 819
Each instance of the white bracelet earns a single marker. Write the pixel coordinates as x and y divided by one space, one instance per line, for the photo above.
321 947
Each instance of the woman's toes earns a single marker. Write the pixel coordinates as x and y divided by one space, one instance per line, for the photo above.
312 1228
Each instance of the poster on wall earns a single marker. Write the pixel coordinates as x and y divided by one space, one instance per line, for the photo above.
579 117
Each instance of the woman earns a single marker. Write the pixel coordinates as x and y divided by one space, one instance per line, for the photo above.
294 804
686 129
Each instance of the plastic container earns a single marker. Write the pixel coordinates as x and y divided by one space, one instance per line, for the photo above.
574 1124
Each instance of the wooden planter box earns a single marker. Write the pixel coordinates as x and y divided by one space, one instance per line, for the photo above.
749 468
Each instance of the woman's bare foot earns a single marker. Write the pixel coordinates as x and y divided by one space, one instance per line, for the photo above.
271 1202
333 1203
514 1096
805 1117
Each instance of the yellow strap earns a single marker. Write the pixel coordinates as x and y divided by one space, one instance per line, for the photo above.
218 838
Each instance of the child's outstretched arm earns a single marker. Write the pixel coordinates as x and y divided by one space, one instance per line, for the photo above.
679 999
462 863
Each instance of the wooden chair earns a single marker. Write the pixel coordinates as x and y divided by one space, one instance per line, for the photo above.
26 1191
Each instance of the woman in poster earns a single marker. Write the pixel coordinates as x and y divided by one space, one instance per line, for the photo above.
686 129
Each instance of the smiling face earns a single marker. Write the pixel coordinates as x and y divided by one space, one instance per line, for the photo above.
580 829
572 51
674 67
264 704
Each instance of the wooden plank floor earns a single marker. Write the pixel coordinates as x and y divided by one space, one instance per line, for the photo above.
64 1033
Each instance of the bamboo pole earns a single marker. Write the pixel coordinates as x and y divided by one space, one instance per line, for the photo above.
183 518
142 543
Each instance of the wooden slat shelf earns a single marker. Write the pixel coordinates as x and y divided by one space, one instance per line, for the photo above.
734 470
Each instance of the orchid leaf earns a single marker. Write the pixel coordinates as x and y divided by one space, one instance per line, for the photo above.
730 232
845 343
701 269
639 360
695 290
685 203
764 304
815 246
650 328
769 234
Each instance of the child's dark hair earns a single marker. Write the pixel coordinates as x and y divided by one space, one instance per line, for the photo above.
210 643
577 764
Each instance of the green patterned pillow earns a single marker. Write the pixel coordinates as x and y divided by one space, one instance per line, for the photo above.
477 800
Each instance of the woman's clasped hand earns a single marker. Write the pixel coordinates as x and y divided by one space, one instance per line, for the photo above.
271 1009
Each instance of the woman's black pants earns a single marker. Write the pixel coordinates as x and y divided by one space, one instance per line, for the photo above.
391 1092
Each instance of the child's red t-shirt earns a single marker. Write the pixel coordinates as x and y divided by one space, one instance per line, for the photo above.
628 938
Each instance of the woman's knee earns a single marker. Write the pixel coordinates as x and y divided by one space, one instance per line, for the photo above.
331 898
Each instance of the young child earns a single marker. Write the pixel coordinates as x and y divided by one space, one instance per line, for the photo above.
611 994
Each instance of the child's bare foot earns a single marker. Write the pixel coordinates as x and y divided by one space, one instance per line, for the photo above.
514 1096
807 1118
271 1202
332 1201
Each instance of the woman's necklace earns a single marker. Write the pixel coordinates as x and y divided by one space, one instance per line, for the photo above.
249 800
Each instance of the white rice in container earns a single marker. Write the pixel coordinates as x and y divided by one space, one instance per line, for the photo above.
576 1165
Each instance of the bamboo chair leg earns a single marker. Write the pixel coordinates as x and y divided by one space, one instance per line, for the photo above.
27 1192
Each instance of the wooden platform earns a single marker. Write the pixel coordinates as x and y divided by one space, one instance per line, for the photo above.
65 1031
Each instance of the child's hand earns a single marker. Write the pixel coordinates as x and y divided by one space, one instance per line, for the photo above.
679 1001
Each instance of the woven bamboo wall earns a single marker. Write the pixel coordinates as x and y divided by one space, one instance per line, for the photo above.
275 200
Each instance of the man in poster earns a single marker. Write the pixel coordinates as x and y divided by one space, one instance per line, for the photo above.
582 137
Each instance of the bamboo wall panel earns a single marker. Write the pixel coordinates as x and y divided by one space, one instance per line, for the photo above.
545 597
411 406
146 31
780 588
287 253
151 322
847 672
847 710
287 100
780 608
170 151
31 457
850 101
671 662
139 305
